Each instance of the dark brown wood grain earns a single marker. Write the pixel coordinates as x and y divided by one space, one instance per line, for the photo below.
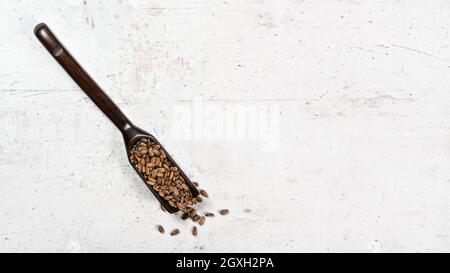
131 133
81 77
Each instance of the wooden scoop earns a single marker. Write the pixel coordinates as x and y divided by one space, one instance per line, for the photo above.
131 133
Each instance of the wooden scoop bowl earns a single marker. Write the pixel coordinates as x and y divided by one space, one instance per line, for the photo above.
131 133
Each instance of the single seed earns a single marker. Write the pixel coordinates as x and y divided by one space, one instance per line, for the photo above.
194 231
192 213
195 184
176 192
184 216
224 211
209 214
199 199
162 208
160 229
202 220
174 232
196 218
204 193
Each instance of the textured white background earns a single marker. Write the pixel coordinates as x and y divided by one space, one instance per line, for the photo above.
363 90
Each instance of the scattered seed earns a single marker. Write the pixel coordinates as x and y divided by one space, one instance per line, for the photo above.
196 218
199 199
209 214
202 221
195 184
160 229
224 211
194 231
175 232
184 216
193 213
204 193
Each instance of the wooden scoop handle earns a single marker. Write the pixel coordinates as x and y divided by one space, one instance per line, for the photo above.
81 77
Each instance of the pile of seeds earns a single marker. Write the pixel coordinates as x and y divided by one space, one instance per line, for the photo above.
151 161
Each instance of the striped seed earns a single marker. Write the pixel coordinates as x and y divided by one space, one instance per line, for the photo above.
184 216
204 193
175 232
192 213
160 229
224 211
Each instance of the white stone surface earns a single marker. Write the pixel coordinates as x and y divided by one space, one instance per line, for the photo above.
362 160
